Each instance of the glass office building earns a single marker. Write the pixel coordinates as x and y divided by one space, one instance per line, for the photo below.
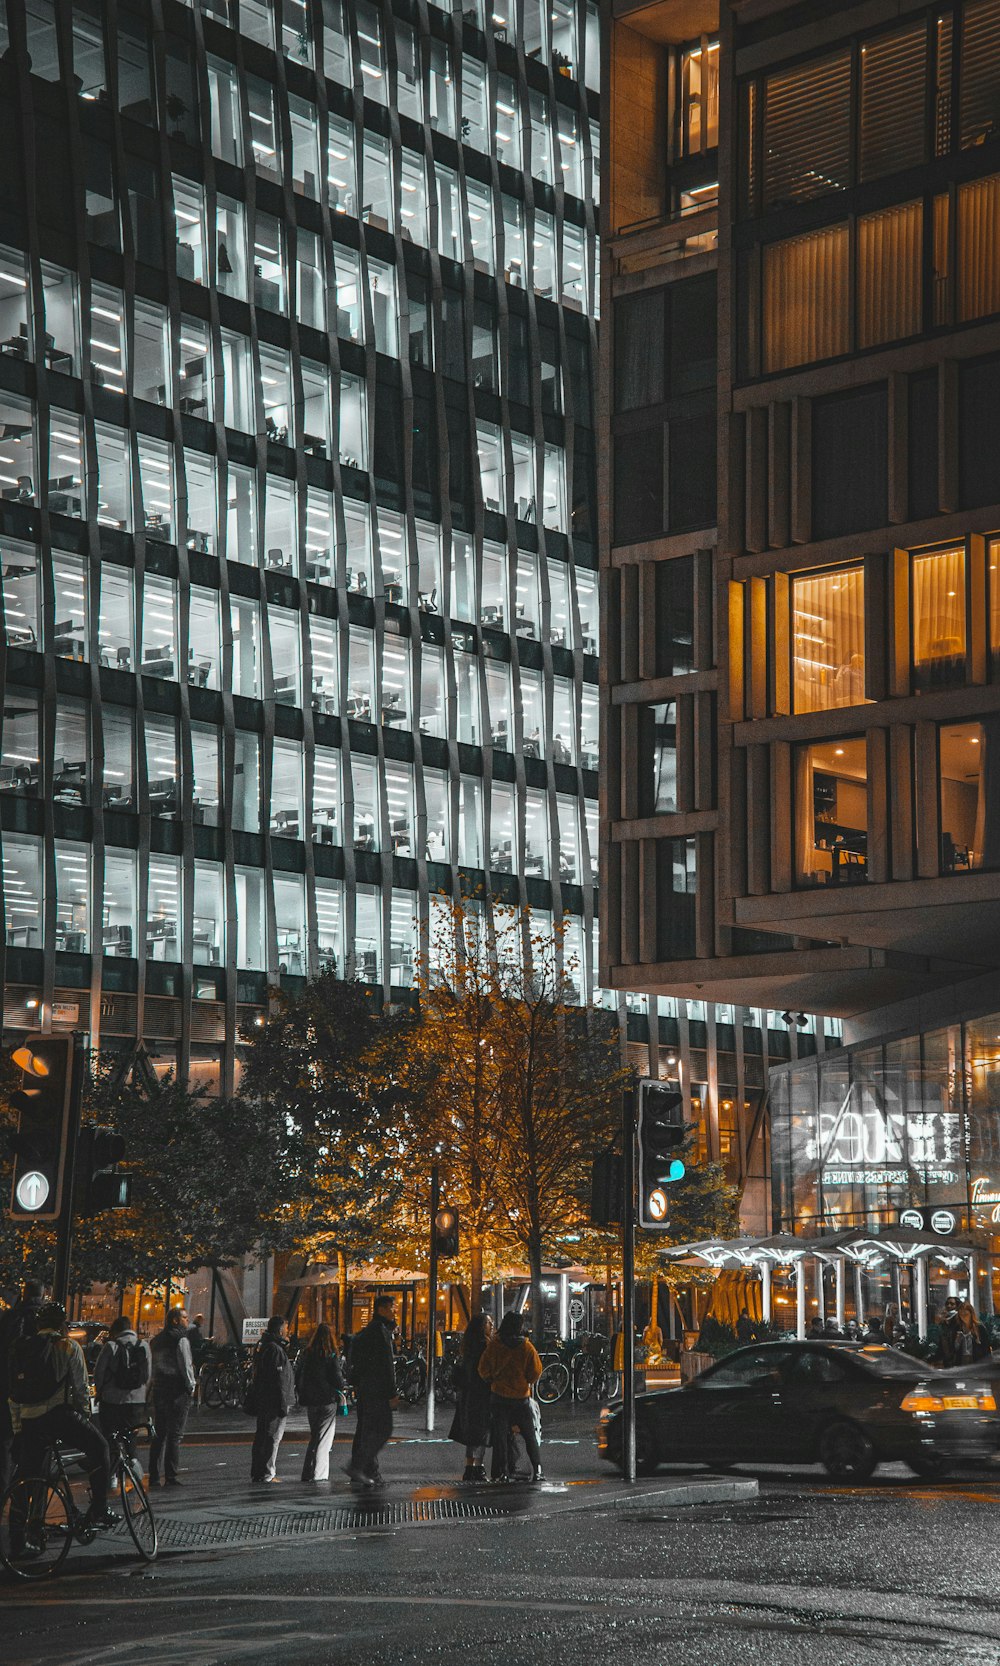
297 497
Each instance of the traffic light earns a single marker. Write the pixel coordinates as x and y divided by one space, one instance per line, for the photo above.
661 1131
606 1188
101 1186
446 1231
43 1103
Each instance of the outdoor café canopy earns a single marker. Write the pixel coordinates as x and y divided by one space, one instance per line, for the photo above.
865 1251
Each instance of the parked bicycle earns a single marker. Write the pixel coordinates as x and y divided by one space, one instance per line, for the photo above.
222 1380
595 1373
40 1519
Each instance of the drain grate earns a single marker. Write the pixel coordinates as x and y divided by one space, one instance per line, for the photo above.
304 1524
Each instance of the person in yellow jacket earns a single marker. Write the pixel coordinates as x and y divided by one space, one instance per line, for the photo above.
511 1366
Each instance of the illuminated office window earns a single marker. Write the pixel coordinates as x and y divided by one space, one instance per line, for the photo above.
280 538
118 734
564 748
341 172
441 88
336 47
163 909
403 939
470 821
499 701
938 613
372 52
245 620
828 640
151 354
399 803
245 805
270 287
353 422
23 891
190 230
316 427
159 627
831 812
310 279
65 472
250 919
368 935
69 631
663 777
209 927
238 404
19 759
437 797
117 930
286 807
366 821
276 394
61 320
480 211
395 701
205 788
114 477
503 828
224 111
970 816
201 502
326 797
382 290
535 862
204 642
468 726
560 630
72 862
376 186
450 240
162 770
107 338
429 579
433 691
116 620
358 552
156 484
330 924
699 74
241 515
230 247
286 655
290 920
264 140
409 87
532 714
589 721
413 198
570 857
19 570
360 673
70 769
527 601
325 664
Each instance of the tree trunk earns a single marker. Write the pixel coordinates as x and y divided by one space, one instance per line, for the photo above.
535 1272
342 1292
476 1276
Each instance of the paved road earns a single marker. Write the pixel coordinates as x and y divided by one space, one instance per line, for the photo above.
890 1574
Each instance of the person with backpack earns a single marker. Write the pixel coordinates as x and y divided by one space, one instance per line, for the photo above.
50 1400
273 1394
173 1390
121 1378
19 1320
319 1385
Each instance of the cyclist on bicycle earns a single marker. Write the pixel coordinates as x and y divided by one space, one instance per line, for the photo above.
50 1401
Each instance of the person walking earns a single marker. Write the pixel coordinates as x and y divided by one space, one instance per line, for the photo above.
971 1341
471 1423
122 1375
373 1375
319 1384
173 1385
948 1332
274 1397
20 1320
50 1400
511 1366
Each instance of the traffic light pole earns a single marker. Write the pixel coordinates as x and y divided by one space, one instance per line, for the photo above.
628 1284
432 1297
64 1225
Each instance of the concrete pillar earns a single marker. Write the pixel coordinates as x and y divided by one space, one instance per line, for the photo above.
859 1295
819 1266
562 1322
800 1297
765 1294
920 1267
838 1275
972 1282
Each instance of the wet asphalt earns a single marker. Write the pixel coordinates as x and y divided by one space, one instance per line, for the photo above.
895 1571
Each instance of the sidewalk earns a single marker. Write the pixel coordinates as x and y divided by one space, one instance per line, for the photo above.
219 1507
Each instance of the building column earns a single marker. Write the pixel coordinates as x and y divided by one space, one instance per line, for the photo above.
920 1267
838 1274
800 1297
859 1298
765 1299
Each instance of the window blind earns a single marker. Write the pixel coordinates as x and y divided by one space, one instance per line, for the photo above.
893 86
806 289
889 258
979 96
978 242
807 130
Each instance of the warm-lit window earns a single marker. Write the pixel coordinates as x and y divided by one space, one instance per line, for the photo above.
978 235
828 640
938 619
969 756
806 298
831 812
889 244
700 98
994 580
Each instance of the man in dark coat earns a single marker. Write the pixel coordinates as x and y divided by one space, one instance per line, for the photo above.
274 1392
18 1321
373 1375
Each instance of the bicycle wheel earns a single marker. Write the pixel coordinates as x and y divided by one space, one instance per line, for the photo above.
137 1510
585 1377
553 1382
211 1387
414 1382
234 1387
612 1386
36 1527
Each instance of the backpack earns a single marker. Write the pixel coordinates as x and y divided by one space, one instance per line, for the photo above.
37 1370
131 1366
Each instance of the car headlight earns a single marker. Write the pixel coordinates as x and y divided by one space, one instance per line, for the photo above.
921 1399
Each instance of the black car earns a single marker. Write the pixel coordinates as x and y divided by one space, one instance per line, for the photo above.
848 1408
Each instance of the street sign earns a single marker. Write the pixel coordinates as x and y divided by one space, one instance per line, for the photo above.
32 1190
253 1329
